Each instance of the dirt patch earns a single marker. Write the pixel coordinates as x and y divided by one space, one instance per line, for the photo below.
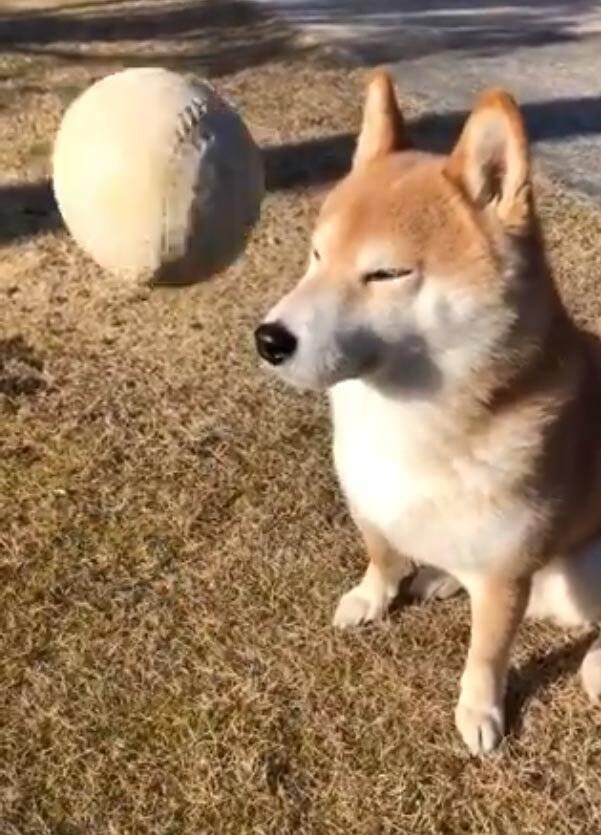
20 368
173 544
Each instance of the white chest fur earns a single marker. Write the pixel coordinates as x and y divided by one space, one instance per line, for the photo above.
407 469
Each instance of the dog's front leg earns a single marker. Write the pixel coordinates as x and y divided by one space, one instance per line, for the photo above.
498 606
371 598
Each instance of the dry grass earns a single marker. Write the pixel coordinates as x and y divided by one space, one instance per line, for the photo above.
173 544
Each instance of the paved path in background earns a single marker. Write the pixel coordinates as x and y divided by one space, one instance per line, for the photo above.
547 53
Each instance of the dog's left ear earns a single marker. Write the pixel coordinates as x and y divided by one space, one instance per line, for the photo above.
491 161
383 128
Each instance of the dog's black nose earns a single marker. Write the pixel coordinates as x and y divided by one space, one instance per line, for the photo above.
274 342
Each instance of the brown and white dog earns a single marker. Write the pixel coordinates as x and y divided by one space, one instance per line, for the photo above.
466 404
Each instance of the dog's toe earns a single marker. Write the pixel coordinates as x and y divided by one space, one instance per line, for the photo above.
431 584
357 606
481 729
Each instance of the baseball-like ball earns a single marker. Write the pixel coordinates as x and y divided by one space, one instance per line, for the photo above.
156 175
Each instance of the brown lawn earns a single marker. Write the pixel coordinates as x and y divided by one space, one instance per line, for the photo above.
172 541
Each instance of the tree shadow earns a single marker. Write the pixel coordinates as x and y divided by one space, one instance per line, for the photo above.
221 36
122 21
402 30
215 37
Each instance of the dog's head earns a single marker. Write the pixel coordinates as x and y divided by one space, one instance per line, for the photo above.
410 281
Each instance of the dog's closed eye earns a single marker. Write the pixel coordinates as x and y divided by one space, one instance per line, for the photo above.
386 275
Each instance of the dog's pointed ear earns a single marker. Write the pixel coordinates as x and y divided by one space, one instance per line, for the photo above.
383 128
491 161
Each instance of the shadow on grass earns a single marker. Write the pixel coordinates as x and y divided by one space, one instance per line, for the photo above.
29 209
26 210
317 161
21 370
536 676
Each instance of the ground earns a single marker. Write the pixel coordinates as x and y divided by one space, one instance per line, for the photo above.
173 542
547 53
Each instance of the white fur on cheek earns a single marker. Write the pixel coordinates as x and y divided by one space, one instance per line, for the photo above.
459 327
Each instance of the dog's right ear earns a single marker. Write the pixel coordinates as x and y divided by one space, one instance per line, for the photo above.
491 160
383 129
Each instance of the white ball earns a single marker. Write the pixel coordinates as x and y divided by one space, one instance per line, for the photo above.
156 175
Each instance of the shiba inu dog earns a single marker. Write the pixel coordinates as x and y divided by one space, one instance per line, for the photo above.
466 404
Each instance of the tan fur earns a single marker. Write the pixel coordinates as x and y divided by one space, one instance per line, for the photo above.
503 423
371 598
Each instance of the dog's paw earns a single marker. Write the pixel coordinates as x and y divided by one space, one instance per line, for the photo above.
590 673
431 584
481 728
360 605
